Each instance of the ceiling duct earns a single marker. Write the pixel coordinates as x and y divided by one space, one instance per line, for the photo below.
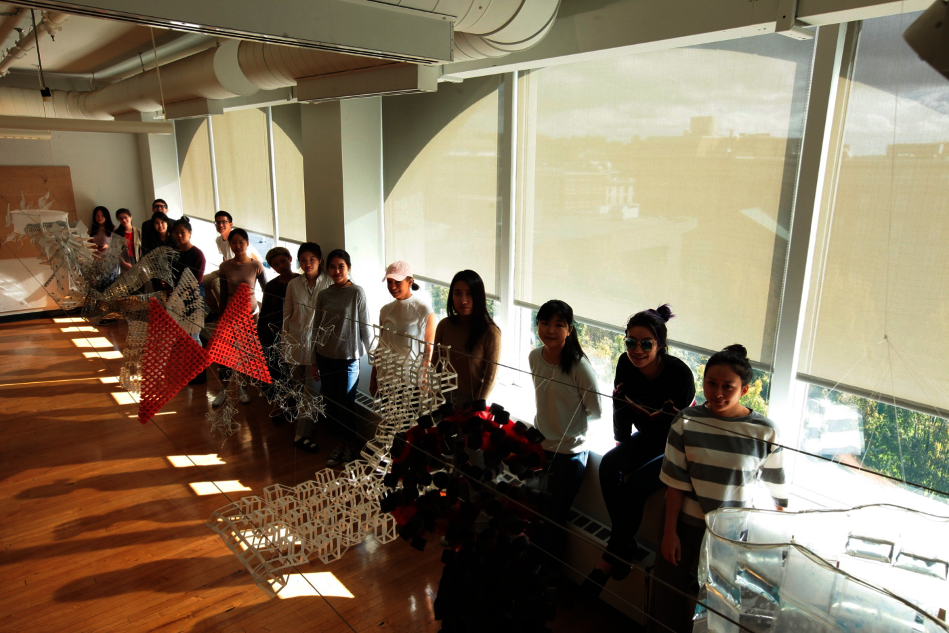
51 23
194 85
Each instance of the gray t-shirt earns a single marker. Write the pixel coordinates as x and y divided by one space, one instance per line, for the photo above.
343 309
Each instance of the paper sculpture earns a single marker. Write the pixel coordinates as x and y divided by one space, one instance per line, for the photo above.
186 305
222 419
235 343
170 360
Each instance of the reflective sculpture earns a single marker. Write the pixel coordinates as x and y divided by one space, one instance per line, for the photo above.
872 568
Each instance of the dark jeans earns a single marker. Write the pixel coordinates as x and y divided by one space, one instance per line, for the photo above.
564 476
666 605
625 498
338 378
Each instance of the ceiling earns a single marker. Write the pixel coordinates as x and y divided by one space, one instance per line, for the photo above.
86 45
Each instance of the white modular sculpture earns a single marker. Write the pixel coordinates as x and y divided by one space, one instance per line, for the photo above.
870 569
324 517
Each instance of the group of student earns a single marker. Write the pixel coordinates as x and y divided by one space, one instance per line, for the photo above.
706 456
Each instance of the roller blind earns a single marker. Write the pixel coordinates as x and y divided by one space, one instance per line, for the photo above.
288 162
440 168
664 177
878 307
194 168
242 162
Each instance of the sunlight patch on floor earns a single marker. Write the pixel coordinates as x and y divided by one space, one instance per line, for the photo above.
69 320
314 584
202 488
106 355
186 461
78 328
109 380
124 397
95 341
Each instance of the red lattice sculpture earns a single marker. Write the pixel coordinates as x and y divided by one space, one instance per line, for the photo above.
235 343
171 359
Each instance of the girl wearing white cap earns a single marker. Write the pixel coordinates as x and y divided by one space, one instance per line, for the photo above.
408 320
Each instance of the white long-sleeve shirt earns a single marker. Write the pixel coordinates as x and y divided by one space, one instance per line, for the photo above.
565 402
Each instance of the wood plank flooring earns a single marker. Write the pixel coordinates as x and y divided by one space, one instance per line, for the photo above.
100 532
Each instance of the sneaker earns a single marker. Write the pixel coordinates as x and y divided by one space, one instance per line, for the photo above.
336 457
244 396
349 455
219 399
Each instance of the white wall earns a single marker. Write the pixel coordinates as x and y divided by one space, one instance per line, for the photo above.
105 169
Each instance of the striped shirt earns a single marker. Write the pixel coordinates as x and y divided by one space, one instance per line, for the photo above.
717 461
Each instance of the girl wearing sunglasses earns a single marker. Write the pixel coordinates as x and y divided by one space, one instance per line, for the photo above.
649 390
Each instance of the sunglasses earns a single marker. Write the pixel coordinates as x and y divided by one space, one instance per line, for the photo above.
645 345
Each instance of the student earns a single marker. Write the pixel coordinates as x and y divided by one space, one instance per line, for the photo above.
160 235
341 306
101 231
474 338
650 388
148 228
240 269
133 238
299 310
407 321
189 255
715 454
223 223
275 293
565 389
271 316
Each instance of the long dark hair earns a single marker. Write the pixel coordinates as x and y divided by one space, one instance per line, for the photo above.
735 357
572 351
107 225
654 320
480 318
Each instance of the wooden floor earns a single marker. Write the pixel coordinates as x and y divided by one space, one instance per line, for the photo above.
101 532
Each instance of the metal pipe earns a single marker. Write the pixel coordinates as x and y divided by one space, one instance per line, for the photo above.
52 21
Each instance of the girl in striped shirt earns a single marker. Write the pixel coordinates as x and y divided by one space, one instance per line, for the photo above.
715 454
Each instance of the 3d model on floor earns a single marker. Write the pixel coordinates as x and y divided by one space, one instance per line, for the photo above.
324 517
871 568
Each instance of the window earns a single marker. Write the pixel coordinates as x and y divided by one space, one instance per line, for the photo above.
873 364
634 190
288 162
440 168
242 162
194 167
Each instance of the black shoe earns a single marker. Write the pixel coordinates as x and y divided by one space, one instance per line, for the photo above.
594 582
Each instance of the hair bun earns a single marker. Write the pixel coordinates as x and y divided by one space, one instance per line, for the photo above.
737 349
664 312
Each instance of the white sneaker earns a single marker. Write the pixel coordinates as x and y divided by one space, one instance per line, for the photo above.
244 396
348 456
219 399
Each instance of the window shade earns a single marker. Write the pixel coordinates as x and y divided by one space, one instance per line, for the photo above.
878 307
664 177
242 161
288 161
440 167
194 168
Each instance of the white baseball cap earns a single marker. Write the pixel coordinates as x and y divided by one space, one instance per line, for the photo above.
398 271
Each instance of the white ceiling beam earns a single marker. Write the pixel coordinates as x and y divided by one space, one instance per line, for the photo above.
349 26
83 125
587 30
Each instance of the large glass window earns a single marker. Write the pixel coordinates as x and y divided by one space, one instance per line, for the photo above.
664 177
878 307
194 168
242 162
873 355
441 185
288 164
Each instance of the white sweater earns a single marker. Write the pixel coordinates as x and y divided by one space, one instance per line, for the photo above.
565 402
